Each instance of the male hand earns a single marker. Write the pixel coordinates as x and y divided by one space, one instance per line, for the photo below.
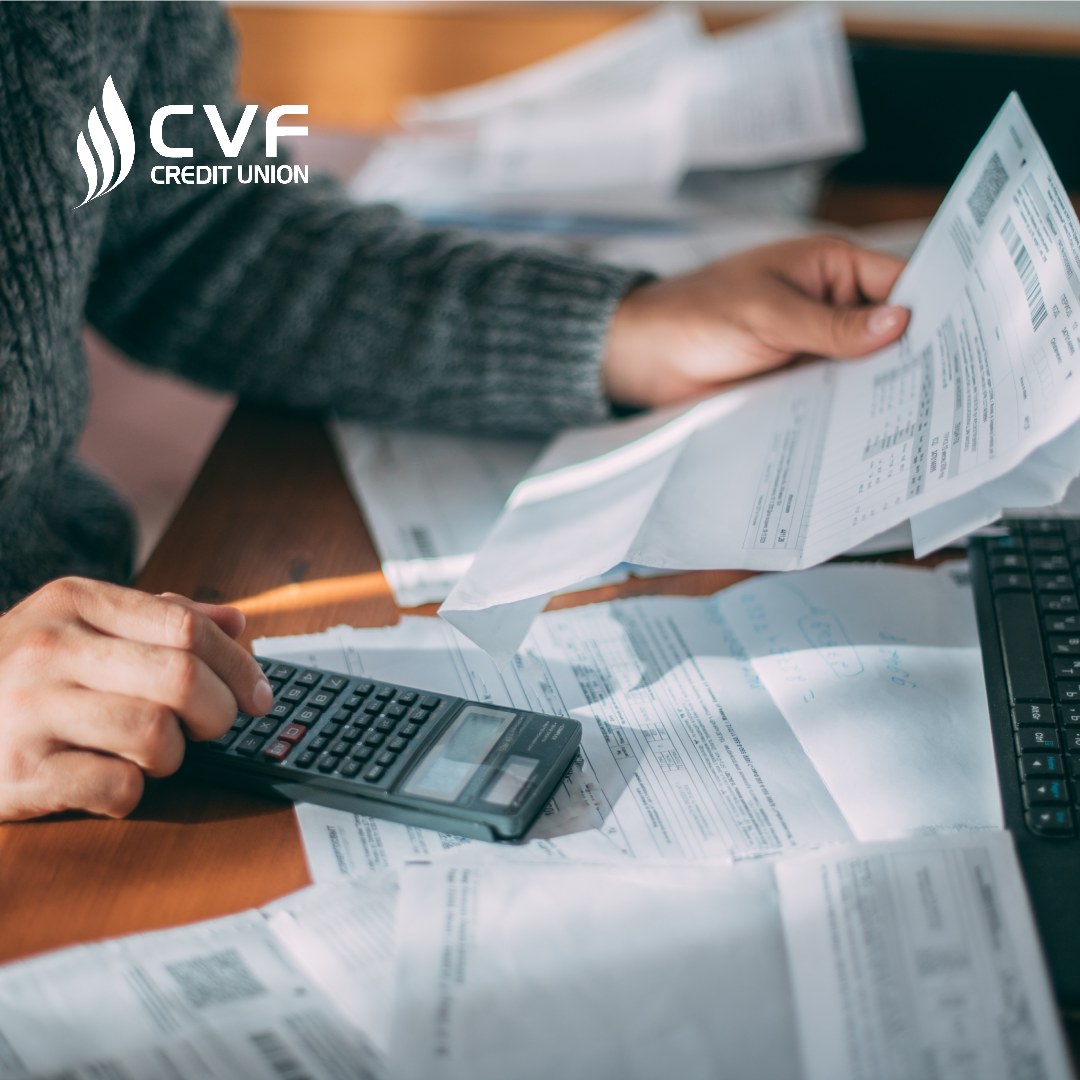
99 686
682 336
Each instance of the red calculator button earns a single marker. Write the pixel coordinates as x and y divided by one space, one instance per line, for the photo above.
278 750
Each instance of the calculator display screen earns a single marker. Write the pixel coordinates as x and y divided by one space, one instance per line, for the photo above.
513 776
453 760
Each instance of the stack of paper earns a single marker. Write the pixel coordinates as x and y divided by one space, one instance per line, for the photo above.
625 117
974 410
914 958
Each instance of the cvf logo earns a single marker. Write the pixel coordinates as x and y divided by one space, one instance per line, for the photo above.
104 172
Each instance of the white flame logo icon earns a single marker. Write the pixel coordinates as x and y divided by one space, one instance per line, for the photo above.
118 121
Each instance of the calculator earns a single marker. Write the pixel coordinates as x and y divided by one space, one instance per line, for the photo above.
395 752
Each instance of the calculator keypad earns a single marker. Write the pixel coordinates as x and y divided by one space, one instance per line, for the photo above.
357 729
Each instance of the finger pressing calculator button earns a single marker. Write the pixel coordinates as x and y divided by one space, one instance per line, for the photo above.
374 773
249 745
335 682
1050 822
267 725
293 733
278 750
223 742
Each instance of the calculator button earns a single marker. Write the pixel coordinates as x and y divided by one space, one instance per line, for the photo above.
352 702
373 707
385 693
281 710
349 769
408 731
351 733
1039 765
306 715
385 758
328 762
278 750
330 729
342 716
321 699
266 726
395 712
1038 739
321 742
362 689
294 693
374 772
397 744
362 753
385 724
419 716
373 738
293 733
1050 822
340 747
242 720
306 759
279 671
307 678
430 702
407 697
223 742
1048 792
249 745
1032 715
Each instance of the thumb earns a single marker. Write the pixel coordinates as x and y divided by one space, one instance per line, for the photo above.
825 330
231 620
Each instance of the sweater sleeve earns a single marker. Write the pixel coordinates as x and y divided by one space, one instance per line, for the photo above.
294 293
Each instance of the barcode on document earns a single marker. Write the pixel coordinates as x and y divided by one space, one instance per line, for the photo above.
278 1056
993 179
422 539
215 979
1029 277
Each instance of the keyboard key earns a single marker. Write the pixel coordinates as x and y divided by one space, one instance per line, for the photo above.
1068 693
1066 667
307 678
250 745
1071 742
1048 564
1046 793
1058 603
1064 644
1010 582
1021 644
1055 583
1032 715
1062 624
278 750
1014 561
293 733
1056 822
336 683
1036 766
1037 527
321 742
1070 715
1045 545
1038 739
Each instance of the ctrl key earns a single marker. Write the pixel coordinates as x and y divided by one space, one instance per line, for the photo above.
1050 822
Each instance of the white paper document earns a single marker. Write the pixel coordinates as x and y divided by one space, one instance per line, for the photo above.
836 452
631 111
909 959
697 742
220 1000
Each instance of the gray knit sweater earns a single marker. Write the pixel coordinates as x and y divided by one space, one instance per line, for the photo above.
285 293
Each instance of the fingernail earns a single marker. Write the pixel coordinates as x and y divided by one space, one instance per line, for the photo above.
263 697
885 320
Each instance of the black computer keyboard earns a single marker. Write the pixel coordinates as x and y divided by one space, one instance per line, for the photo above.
1026 581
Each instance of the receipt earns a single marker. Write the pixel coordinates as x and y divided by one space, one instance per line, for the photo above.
793 469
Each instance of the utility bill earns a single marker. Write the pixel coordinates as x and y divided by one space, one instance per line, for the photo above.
223 174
